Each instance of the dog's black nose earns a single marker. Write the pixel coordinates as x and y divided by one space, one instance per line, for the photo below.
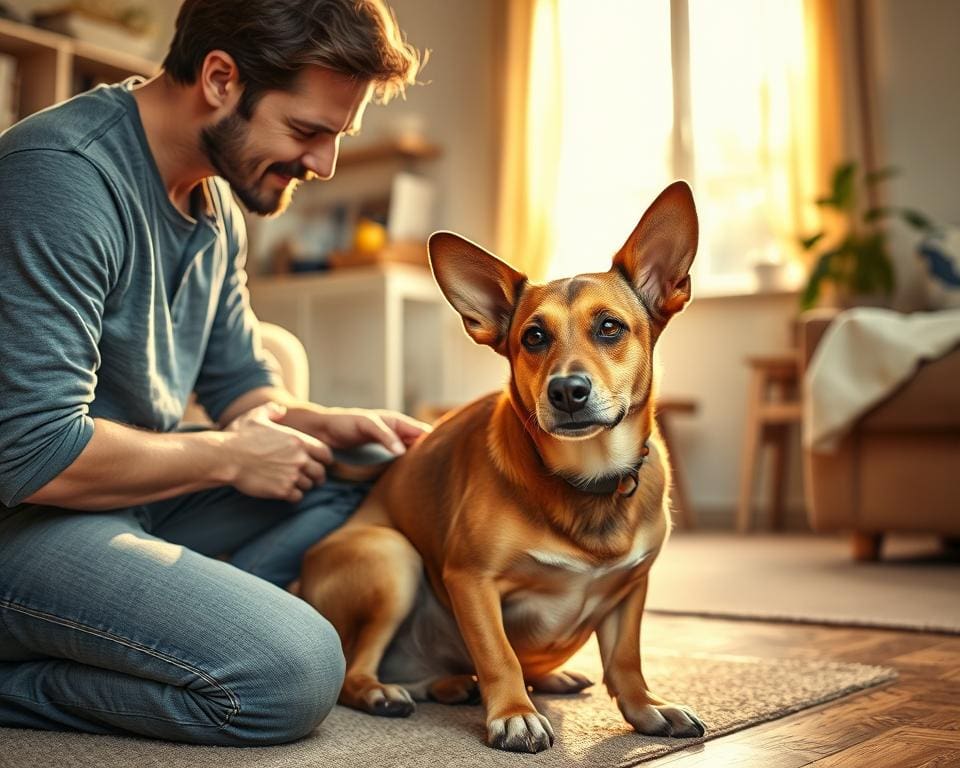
569 393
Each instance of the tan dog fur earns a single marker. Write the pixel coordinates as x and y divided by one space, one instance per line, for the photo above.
471 556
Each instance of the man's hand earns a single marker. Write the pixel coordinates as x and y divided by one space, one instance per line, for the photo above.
271 460
350 427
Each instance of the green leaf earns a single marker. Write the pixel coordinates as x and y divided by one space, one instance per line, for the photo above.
812 292
881 174
843 179
872 272
916 220
886 277
808 242
821 271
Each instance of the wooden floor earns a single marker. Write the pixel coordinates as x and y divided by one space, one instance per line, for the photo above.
913 722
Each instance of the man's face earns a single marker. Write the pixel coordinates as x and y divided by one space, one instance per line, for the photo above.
292 136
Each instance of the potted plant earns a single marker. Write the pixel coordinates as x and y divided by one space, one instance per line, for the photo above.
856 261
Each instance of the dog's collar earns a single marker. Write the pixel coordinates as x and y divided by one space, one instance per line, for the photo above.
624 484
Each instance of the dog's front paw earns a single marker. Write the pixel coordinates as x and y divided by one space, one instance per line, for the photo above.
529 732
663 720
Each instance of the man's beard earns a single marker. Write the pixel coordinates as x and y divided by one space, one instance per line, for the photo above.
223 145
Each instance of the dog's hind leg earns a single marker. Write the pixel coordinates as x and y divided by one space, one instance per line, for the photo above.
449 689
364 579
562 682
455 689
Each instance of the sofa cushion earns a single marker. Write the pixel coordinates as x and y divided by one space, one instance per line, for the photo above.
930 400
940 255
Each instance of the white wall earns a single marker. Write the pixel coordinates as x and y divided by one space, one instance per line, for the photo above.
457 107
916 55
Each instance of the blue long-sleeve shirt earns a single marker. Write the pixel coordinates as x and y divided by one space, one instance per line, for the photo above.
113 303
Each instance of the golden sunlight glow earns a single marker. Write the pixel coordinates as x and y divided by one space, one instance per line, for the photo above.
160 551
616 126
747 94
747 152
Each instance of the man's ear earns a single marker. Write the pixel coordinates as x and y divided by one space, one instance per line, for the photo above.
220 80
657 256
478 285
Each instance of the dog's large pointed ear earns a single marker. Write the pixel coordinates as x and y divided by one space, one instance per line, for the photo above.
657 256
478 285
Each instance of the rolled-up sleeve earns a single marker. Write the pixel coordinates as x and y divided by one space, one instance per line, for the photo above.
60 249
234 362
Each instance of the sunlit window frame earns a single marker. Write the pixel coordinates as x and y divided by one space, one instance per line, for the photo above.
683 156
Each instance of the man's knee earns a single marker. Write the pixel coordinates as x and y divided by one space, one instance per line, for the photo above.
289 682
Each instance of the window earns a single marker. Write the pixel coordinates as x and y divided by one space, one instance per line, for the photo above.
710 91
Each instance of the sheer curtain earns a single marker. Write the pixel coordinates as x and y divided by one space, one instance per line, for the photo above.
530 135
611 100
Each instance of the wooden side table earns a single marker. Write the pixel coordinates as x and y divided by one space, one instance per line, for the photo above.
773 405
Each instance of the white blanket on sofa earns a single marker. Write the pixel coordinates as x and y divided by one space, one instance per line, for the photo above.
864 356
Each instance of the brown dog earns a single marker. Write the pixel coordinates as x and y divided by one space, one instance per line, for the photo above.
528 519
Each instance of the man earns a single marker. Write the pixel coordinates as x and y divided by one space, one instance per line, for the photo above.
123 290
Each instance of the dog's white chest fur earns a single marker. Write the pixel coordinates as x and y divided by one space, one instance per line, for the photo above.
579 590
577 566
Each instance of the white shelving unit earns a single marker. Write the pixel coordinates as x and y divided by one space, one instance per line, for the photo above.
374 335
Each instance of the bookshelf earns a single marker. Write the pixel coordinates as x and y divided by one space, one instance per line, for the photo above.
53 67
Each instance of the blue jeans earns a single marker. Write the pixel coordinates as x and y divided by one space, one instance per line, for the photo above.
124 622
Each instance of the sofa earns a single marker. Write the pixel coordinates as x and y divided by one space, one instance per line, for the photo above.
288 355
897 469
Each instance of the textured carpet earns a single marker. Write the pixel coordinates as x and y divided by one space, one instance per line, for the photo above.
729 693
807 578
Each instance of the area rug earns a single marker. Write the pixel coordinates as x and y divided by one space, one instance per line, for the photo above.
808 578
728 692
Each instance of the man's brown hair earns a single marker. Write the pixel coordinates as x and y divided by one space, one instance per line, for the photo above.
272 40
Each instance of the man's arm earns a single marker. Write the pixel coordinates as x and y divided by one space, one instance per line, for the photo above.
60 259
122 466
336 427
252 399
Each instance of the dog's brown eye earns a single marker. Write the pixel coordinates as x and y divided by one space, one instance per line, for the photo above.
610 329
534 337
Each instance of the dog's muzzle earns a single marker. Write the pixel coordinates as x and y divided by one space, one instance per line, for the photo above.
569 393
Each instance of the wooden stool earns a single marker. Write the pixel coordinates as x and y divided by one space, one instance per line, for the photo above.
681 502
773 405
